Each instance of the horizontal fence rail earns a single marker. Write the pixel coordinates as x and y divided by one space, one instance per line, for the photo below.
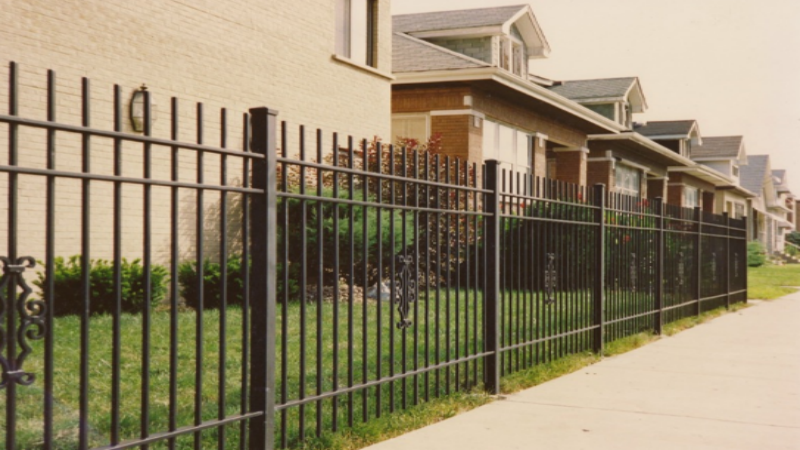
283 284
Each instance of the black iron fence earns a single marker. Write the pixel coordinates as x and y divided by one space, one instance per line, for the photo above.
329 283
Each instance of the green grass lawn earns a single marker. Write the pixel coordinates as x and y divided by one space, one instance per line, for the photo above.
769 281
378 350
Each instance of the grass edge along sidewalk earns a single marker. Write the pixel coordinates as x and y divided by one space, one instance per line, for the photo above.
767 282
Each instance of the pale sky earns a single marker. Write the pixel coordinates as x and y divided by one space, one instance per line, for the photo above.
732 65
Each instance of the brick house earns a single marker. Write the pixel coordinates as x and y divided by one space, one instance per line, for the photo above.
768 210
628 162
464 76
711 181
726 155
785 207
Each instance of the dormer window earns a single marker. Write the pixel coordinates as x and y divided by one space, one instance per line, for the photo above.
512 55
736 171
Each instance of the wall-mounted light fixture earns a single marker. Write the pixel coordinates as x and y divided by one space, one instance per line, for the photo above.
137 109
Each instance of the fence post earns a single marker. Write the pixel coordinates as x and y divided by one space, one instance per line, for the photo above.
263 225
744 254
698 217
727 219
598 293
660 255
491 207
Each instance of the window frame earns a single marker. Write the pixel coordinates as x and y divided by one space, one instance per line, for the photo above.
514 146
696 191
344 34
637 192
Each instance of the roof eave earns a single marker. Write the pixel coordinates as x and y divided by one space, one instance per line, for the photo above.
704 173
645 142
524 86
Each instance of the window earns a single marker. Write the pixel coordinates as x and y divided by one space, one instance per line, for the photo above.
355 30
691 197
505 53
510 146
519 60
627 180
410 126
736 171
512 56
739 210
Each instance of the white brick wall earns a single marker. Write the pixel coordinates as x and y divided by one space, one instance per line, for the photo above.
236 54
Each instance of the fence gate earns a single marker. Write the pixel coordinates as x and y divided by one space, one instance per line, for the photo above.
102 237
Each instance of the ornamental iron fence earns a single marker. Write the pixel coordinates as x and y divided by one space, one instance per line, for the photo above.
295 284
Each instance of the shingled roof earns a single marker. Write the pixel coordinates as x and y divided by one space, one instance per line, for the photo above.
410 54
608 88
657 128
718 147
451 20
751 176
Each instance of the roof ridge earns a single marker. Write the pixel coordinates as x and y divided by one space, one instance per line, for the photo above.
442 49
520 5
601 79
737 136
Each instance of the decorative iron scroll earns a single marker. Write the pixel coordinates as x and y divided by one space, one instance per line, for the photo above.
550 279
681 268
714 267
31 321
405 290
633 272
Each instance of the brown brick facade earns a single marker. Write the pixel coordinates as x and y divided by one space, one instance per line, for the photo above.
455 108
526 119
675 194
600 172
455 132
571 166
657 188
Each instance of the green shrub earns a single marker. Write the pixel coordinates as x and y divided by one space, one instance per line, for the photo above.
376 232
794 237
212 283
756 256
67 283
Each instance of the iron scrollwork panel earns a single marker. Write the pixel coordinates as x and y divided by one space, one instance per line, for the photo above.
633 272
405 290
31 321
714 267
550 277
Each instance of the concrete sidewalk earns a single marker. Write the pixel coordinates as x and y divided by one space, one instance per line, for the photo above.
732 383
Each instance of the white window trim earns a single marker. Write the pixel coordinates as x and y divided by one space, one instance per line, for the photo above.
686 189
530 136
622 164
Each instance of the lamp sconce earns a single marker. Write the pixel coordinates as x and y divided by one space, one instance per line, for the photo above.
137 109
